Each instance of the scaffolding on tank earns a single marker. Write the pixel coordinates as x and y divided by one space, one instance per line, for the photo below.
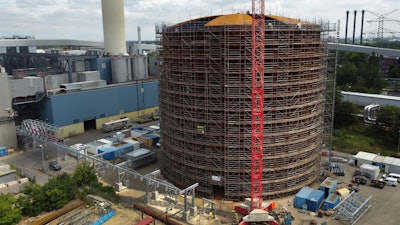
205 105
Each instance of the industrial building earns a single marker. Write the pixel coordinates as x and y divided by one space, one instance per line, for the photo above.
206 97
80 88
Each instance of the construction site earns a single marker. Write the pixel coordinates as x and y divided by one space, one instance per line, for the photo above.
206 103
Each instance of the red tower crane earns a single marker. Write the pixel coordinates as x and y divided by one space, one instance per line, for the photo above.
257 110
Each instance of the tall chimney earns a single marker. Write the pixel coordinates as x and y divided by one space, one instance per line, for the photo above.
362 26
347 25
354 25
114 26
139 33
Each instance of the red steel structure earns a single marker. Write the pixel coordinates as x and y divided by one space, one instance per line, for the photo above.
257 110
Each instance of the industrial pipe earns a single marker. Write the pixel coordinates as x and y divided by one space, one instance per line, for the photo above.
354 26
347 24
362 26
155 214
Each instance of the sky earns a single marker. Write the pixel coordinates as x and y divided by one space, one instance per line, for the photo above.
81 19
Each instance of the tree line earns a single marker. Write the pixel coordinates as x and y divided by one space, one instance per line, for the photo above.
53 195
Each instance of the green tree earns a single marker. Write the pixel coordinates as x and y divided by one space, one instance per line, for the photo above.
58 191
84 175
31 203
345 114
9 212
359 72
389 118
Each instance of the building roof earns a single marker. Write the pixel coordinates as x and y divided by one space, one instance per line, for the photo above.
365 156
396 162
232 19
287 20
388 160
379 159
5 170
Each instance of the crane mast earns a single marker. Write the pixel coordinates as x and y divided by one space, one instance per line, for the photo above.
257 110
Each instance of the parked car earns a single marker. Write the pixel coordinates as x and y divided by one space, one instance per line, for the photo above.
54 165
378 184
359 180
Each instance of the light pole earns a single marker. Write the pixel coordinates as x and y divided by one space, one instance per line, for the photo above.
398 143
42 148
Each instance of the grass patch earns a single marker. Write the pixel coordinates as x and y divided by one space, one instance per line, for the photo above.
360 137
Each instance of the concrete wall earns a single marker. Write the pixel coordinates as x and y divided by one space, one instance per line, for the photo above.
8 136
78 128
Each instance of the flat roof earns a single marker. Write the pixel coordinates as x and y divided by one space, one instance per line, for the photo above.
5 170
365 155
379 159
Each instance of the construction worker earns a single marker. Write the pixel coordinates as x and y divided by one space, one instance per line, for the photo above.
211 215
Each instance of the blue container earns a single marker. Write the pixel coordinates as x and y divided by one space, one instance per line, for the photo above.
328 186
314 200
3 151
332 201
301 197
114 151
137 128
108 150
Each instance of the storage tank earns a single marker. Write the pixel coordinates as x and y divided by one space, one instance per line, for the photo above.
139 67
114 26
121 69
205 103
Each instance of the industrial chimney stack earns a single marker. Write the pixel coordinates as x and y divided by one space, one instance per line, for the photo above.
114 26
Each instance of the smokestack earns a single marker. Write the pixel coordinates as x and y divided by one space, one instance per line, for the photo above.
347 25
114 26
354 25
139 33
362 26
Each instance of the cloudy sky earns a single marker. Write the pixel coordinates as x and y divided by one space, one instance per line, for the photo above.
81 19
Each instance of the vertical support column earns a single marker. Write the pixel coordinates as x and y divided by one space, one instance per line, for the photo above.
257 110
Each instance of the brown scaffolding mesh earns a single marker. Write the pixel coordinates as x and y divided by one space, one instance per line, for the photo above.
205 106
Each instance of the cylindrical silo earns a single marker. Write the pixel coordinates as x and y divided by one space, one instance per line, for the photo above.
121 69
205 104
139 67
114 26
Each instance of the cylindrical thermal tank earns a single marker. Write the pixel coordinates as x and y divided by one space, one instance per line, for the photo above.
121 69
114 26
139 67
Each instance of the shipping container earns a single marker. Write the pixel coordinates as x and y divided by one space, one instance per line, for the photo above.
301 196
331 202
3 151
154 138
314 200
137 133
94 146
141 157
136 144
328 186
114 151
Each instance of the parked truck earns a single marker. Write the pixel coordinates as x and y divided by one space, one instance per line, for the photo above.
116 124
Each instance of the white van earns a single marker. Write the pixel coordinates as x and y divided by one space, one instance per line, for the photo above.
391 181
394 175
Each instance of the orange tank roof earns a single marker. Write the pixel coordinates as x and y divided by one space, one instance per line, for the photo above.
232 19
287 20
